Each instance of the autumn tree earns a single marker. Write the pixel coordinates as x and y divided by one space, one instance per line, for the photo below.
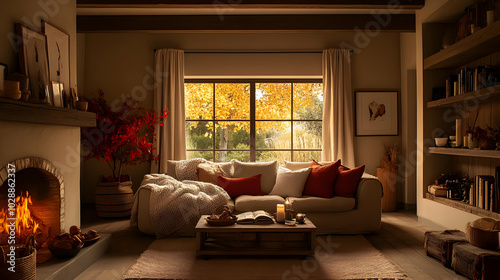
273 101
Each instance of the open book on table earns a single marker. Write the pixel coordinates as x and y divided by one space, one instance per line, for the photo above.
259 217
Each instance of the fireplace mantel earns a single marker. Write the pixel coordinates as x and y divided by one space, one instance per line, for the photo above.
17 111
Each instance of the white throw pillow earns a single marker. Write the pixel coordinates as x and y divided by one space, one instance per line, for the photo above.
268 169
290 183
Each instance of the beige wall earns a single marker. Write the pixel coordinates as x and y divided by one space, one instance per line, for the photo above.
121 64
55 143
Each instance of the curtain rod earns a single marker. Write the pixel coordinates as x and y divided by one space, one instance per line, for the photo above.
251 52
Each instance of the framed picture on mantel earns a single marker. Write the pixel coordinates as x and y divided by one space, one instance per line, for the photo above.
58 54
376 113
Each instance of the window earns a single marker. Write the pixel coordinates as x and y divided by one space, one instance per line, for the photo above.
258 120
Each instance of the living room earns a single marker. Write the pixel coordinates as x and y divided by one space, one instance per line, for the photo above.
112 47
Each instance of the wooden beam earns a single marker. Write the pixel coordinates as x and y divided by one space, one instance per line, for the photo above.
242 23
334 4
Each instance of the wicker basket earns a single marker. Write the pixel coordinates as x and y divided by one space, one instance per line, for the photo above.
483 233
25 261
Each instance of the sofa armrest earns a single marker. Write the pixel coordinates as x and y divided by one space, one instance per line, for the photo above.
368 189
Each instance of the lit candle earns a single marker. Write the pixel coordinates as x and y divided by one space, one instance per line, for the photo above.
280 213
288 209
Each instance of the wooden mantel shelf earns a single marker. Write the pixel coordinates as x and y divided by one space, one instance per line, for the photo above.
17 111
463 206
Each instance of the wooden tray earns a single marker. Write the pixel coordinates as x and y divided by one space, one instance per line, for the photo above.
227 222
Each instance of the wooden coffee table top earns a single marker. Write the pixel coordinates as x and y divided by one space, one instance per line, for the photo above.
203 226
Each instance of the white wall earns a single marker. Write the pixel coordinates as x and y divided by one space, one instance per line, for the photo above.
120 64
47 141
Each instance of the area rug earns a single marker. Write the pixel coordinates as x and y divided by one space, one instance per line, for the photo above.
337 257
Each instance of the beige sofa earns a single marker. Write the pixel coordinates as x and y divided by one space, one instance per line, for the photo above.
336 215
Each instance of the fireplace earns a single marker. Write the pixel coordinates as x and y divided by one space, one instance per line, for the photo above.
39 200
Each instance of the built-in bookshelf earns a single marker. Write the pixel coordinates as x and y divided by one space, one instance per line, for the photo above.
465 58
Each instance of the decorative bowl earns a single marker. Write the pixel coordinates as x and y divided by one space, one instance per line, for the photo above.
65 253
225 222
441 142
82 105
88 242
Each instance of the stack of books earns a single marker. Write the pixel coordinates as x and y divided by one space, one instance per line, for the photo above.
484 193
471 79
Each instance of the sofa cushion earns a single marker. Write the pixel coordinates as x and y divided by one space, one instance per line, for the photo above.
321 179
347 181
290 183
267 203
320 204
171 168
209 172
296 165
239 186
269 170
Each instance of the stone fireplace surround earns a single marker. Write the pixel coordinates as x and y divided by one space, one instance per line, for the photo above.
59 145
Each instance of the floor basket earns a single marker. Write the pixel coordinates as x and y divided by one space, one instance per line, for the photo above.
25 265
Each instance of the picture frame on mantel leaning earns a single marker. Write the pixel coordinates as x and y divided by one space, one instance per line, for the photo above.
377 113
58 54
33 62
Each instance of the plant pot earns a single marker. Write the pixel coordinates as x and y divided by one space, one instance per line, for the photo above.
389 179
487 144
114 200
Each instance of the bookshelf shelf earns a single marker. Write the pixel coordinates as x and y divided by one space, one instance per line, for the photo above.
477 45
482 96
464 152
463 206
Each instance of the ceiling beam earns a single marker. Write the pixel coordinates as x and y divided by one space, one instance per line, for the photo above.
235 4
245 23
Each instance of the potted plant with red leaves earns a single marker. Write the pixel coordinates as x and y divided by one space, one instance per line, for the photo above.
124 135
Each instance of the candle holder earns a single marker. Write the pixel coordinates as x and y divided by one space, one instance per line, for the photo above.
288 210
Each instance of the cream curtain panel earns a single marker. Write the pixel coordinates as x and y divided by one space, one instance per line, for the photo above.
338 130
169 93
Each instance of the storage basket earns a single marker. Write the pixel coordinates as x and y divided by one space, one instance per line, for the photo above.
483 233
25 261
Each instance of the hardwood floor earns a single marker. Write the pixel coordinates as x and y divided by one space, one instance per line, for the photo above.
401 239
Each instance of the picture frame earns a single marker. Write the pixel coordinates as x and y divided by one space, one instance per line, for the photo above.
57 94
58 54
33 63
377 113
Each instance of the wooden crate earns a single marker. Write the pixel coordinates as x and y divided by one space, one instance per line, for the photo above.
476 263
439 244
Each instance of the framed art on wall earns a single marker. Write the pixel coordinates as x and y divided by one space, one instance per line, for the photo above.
33 62
376 113
58 54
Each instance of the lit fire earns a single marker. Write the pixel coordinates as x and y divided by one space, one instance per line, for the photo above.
26 223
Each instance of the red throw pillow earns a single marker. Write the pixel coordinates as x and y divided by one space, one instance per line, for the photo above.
347 181
321 179
239 186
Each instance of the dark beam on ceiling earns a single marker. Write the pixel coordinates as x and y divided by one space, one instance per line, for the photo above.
338 4
244 23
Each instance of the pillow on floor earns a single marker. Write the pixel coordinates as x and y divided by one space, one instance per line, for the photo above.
240 186
347 181
321 179
290 183
209 172
269 170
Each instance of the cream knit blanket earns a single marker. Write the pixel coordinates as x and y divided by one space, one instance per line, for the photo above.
174 203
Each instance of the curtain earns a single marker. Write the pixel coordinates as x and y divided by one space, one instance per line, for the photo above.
338 137
169 94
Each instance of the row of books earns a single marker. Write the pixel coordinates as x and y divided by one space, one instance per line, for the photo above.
484 194
471 79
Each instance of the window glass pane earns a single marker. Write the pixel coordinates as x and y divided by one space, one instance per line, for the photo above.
232 135
308 101
306 155
307 135
280 156
208 155
232 101
199 101
199 135
221 156
273 101
272 135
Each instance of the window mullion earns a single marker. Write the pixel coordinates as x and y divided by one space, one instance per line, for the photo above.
252 121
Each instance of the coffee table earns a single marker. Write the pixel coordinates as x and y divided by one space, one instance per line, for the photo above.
239 239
